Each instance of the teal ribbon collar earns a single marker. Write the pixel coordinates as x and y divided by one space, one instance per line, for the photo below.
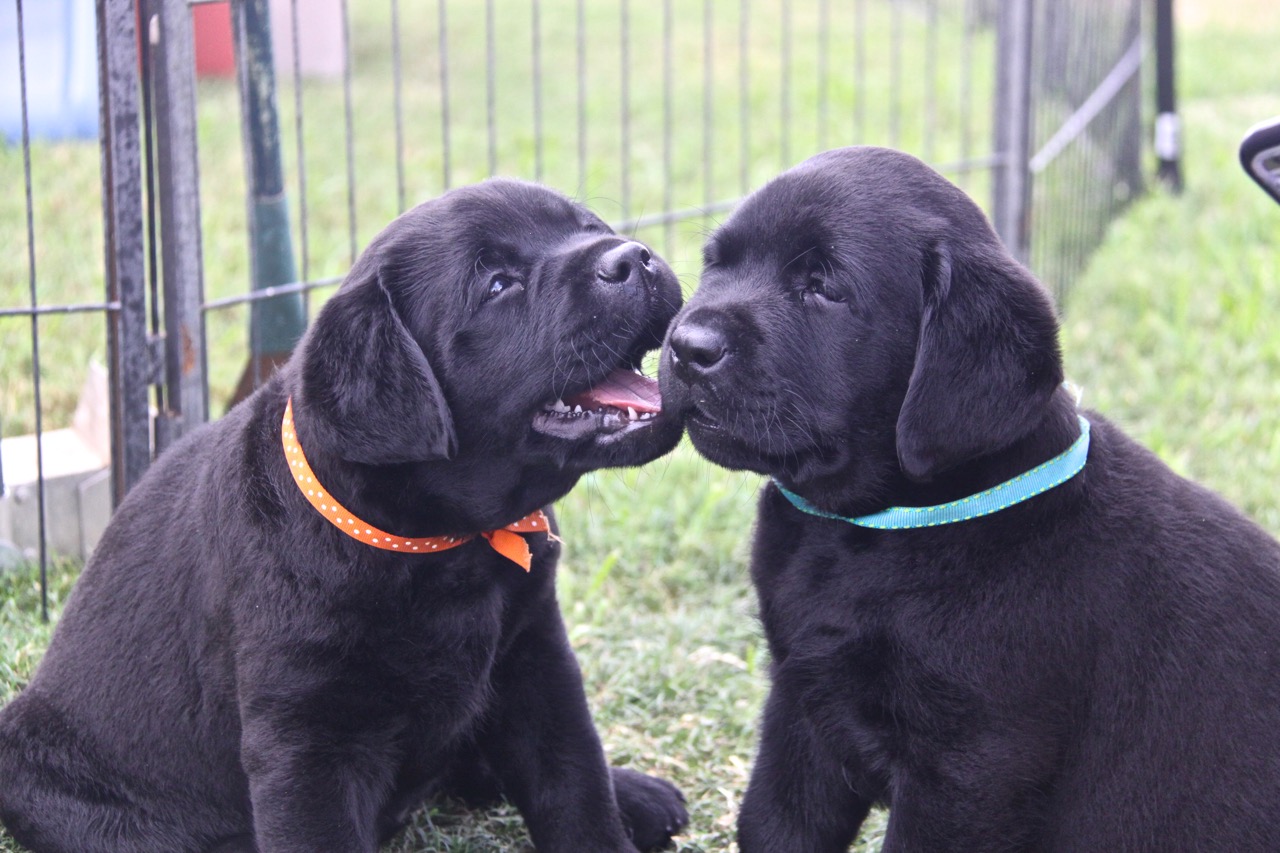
1038 480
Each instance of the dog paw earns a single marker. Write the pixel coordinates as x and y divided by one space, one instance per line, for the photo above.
652 809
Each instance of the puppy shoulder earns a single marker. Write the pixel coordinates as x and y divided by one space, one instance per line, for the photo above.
1142 506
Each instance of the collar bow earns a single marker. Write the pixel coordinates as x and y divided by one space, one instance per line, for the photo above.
507 541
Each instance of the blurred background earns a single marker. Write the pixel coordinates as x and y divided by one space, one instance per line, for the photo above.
184 182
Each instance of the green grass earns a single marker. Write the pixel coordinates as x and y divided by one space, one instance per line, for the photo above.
1169 331
944 126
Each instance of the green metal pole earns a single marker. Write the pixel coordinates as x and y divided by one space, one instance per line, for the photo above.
276 323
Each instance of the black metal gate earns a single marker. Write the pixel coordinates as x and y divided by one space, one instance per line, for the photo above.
225 204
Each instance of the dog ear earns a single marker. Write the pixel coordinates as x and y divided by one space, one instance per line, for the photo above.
368 394
987 360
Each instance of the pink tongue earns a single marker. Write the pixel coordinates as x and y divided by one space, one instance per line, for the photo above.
621 389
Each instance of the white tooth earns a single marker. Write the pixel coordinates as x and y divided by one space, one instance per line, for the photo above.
577 409
560 406
631 413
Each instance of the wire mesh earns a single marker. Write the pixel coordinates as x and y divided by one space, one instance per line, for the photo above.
659 116
1086 130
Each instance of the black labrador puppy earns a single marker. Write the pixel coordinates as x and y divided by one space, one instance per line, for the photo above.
996 614
340 598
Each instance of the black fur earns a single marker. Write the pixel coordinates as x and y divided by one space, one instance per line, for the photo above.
234 674
1097 668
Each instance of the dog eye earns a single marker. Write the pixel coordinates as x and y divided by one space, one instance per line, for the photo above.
499 284
816 285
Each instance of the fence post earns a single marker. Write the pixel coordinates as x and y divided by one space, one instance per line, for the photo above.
1011 202
276 323
178 189
1168 127
129 354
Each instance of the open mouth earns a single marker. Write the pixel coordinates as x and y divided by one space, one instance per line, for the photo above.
624 400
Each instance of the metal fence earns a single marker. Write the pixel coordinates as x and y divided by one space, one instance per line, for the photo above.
228 205
1085 161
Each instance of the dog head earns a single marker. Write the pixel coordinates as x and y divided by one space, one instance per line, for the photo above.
498 329
857 321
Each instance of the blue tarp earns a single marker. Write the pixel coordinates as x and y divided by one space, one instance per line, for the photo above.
61 70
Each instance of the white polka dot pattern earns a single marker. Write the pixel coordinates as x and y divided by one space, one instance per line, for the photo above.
505 541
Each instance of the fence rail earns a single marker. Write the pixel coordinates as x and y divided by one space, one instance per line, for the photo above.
229 204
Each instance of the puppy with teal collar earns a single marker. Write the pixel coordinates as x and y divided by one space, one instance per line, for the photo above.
992 612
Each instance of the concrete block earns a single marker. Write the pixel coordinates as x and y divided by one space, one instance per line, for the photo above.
77 481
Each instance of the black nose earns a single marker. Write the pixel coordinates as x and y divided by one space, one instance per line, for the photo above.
625 262
696 350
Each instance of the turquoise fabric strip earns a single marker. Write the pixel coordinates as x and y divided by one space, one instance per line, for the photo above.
1038 480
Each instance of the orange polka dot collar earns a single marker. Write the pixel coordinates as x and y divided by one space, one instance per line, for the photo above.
507 541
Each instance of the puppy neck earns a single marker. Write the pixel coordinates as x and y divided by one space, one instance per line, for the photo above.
863 488
1057 430
469 493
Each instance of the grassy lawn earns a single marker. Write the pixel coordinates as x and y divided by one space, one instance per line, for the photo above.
1169 332
940 114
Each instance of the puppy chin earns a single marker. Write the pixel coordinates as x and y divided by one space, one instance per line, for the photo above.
627 446
643 445
725 450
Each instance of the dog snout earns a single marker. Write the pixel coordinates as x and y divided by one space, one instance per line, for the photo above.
697 350
628 262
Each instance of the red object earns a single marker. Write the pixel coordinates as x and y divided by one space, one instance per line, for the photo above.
215 54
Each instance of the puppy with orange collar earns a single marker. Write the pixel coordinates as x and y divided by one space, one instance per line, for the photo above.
339 599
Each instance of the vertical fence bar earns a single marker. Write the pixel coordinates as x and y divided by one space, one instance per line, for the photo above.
581 15
1102 54
180 247
1089 66
446 151
1055 54
708 111
1012 180
397 84
146 10
860 71
537 90
1168 142
824 71
625 52
1134 146
304 253
490 86
930 81
669 226
895 74
744 98
41 512
124 253
966 89
349 124
784 117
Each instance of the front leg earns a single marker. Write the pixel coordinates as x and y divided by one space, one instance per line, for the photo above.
542 744
319 743
989 797
801 799
317 777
